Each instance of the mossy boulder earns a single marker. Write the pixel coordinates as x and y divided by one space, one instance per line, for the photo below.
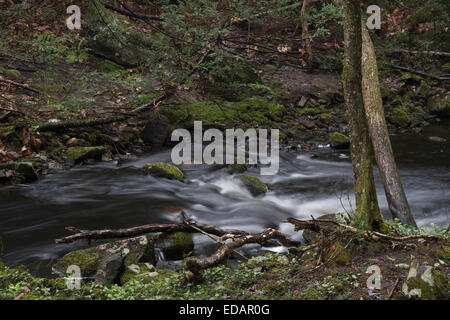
176 245
255 186
78 154
424 283
117 40
104 262
338 140
399 117
164 170
26 169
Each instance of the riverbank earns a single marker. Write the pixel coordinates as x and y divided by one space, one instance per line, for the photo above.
342 268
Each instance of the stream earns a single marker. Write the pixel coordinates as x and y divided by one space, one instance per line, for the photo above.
106 195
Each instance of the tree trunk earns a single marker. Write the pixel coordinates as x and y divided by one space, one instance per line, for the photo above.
305 32
367 215
398 204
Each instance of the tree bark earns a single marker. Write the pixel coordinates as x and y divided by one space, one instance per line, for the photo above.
373 104
367 214
305 32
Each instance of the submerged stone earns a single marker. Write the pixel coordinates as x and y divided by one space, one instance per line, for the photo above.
254 185
164 170
338 140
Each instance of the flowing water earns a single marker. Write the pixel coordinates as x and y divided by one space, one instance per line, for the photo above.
105 195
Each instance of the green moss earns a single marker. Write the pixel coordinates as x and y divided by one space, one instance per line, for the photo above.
339 140
311 294
444 252
164 170
257 111
95 137
86 259
400 117
253 184
247 113
325 116
437 291
341 255
176 245
79 154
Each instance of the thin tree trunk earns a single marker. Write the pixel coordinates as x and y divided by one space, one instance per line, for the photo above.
305 32
398 204
367 215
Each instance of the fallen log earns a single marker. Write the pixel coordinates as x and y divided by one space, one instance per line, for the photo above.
186 226
64 125
139 230
420 73
196 265
133 14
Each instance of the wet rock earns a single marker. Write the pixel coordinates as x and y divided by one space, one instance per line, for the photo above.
26 169
108 269
425 283
338 140
156 131
253 185
164 170
176 245
78 154
104 262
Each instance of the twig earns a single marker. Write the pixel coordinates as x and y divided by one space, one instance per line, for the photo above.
434 53
19 85
420 73
393 288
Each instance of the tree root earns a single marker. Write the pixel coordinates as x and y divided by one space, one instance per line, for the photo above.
317 225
